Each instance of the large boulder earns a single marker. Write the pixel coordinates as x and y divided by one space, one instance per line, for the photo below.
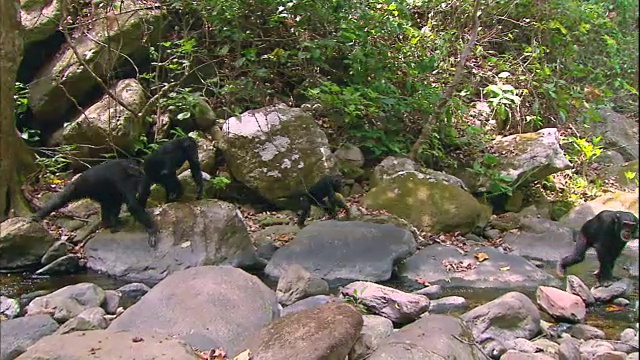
345 250
428 204
207 306
206 232
16 335
22 243
107 124
618 173
326 332
393 166
446 265
523 158
64 78
108 345
40 18
276 150
617 201
541 239
618 132
431 337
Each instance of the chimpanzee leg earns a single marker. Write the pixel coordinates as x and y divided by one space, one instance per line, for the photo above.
172 187
577 256
110 211
305 209
145 191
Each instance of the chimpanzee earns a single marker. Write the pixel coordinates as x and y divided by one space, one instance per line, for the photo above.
161 165
329 187
607 232
111 183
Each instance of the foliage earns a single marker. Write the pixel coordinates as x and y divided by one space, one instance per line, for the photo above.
584 151
486 167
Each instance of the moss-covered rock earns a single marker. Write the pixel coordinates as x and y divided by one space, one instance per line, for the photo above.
427 204
618 174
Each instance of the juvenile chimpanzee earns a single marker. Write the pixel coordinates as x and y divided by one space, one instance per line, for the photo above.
161 165
111 183
329 187
608 233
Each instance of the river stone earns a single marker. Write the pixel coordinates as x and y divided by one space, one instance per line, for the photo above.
541 239
308 303
323 333
22 243
67 264
131 293
375 330
426 265
297 283
431 337
67 302
345 250
207 306
509 317
90 319
16 335
577 287
108 345
191 234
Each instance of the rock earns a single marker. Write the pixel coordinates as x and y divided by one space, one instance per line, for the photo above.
633 356
431 291
547 346
90 319
427 265
591 348
505 222
541 239
428 204
618 132
616 201
509 317
27 298
111 301
586 332
622 302
576 287
395 305
392 166
131 293
266 251
622 287
196 299
325 332
40 19
276 150
431 337
107 345
22 243
568 350
518 355
492 234
16 335
375 329
64 79
610 157
343 250
448 304
297 283
191 234
9 308
67 264
308 303
561 305
618 174
629 335
67 302
350 155
522 345
57 250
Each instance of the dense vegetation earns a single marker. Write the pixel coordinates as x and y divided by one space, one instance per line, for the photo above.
378 67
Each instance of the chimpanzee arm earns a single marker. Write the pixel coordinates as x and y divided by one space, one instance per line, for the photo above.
128 190
144 191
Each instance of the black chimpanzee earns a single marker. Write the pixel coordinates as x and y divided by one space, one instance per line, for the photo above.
111 183
161 165
329 187
608 233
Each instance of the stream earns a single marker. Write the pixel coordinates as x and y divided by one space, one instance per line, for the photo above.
611 322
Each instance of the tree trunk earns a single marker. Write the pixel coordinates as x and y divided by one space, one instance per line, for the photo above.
15 157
